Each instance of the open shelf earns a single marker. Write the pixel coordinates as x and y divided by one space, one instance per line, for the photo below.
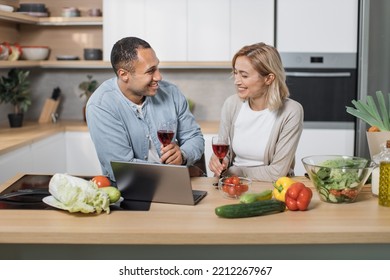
49 21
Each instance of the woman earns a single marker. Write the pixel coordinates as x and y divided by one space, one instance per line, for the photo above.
263 124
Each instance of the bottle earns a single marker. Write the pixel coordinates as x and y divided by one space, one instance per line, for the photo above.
384 176
377 158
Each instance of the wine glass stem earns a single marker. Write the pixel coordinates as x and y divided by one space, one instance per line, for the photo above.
220 175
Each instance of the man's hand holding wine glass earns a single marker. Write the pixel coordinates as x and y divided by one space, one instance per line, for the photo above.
170 151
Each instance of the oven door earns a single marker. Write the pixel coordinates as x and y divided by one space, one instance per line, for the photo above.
323 93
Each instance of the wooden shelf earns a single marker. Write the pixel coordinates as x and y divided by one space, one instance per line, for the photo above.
18 18
94 64
50 21
75 64
19 64
70 21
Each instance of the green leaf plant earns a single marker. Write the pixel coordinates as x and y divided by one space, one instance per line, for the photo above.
88 87
15 89
371 112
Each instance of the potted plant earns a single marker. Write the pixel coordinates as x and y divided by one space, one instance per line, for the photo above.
87 87
15 89
377 115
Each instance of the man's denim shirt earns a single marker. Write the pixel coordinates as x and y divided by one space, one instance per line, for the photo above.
119 132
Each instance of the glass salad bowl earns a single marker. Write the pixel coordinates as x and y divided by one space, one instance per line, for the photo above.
338 178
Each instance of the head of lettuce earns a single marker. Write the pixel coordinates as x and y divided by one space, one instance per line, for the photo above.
78 195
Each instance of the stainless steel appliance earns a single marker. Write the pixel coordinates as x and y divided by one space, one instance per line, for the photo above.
324 83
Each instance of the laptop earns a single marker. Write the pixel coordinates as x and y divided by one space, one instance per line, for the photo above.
155 182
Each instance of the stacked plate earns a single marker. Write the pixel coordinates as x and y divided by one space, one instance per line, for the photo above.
33 9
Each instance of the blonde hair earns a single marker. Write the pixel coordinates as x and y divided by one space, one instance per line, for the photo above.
266 60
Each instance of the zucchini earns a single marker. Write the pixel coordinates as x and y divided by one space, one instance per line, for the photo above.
252 197
257 208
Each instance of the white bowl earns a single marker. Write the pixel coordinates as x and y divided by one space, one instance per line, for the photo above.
6 8
35 52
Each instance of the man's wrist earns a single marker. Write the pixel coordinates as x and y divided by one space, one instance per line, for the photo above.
183 158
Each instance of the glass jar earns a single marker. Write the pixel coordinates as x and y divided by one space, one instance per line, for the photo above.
383 159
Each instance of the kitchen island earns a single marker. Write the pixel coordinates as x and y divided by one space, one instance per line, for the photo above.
359 230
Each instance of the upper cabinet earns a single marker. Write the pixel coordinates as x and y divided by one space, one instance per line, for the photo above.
317 26
184 33
190 30
251 21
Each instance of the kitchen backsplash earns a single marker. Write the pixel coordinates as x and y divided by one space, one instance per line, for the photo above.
207 88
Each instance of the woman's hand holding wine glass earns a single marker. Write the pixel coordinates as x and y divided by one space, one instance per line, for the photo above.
220 147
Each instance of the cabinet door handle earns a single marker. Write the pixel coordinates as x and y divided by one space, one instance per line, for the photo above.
316 74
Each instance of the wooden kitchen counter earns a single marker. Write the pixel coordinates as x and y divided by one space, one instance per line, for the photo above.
361 227
14 138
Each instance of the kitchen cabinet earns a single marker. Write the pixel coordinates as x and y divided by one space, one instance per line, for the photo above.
14 162
63 152
252 21
208 30
317 26
45 156
169 46
199 31
48 155
81 157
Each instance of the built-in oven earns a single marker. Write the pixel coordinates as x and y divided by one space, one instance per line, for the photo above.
324 83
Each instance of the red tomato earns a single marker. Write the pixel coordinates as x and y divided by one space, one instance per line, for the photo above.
244 187
225 188
101 181
228 180
235 180
232 191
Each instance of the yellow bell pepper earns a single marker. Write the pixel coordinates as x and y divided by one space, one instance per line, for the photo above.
280 188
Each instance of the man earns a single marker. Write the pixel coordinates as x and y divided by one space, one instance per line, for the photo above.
123 113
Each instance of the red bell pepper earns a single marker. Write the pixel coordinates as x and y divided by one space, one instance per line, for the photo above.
298 197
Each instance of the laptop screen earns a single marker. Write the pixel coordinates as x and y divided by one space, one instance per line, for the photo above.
154 182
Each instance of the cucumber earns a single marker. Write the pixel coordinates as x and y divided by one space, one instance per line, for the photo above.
332 198
324 193
257 208
252 197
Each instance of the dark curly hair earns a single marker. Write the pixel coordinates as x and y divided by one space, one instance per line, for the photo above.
124 53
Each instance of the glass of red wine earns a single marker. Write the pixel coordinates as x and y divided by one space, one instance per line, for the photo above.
220 148
166 131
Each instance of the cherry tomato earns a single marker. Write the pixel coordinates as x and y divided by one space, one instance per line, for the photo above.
232 191
225 188
101 181
244 187
235 180
228 180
